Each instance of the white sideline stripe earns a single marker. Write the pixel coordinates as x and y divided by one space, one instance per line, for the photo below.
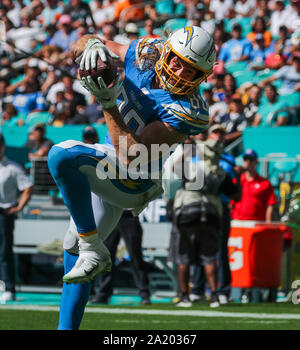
193 313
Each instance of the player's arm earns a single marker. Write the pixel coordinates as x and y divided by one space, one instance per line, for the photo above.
96 44
154 133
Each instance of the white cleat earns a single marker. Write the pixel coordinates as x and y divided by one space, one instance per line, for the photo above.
94 258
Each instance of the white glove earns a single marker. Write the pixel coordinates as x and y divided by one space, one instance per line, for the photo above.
107 97
95 48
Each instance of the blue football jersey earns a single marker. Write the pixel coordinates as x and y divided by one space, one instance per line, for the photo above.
141 105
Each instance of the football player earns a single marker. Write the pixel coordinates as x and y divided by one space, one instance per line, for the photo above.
158 102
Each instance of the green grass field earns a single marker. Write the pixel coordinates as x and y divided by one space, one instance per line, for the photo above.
161 316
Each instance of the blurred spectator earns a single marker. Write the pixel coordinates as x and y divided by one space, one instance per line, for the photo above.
229 86
27 36
51 13
220 36
236 49
131 33
244 8
104 13
63 114
262 10
293 10
26 94
266 110
258 198
221 9
234 122
90 135
260 27
283 45
38 144
71 87
196 223
288 74
215 108
199 18
13 182
129 11
109 32
279 17
218 83
70 94
149 27
94 112
65 36
253 103
80 13
258 53
36 8
3 94
9 116
13 9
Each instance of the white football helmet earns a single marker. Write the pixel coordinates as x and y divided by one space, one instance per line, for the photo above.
195 46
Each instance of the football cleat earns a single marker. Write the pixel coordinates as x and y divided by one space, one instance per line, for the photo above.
94 258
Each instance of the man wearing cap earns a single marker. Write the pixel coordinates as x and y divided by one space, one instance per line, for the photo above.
12 181
236 49
37 143
65 36
258 198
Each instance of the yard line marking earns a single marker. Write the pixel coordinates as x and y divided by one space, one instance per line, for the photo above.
193 313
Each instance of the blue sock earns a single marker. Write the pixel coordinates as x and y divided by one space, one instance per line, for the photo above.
73 300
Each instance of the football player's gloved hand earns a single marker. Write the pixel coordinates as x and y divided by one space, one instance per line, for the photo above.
93 49
106 96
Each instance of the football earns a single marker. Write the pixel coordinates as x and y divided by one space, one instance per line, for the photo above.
107 70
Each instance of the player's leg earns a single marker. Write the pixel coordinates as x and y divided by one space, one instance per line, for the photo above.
64 165
75 296
74 167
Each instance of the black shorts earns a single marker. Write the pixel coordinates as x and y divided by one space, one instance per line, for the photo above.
194 243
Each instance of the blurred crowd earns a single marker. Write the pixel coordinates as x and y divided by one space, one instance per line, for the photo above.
258 45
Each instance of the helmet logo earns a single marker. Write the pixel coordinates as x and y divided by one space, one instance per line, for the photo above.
189 31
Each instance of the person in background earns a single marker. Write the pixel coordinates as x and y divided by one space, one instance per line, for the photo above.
257 203
197 218
234 122
94 112
65 36
253 103
273 104
37 143
236 49
288 74
12 181
90 135
258 198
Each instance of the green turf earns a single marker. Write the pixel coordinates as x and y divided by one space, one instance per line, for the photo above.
47 320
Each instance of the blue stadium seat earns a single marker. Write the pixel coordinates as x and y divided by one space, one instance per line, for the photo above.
38 117
164 7
245 23
175 23
232 67
242 77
